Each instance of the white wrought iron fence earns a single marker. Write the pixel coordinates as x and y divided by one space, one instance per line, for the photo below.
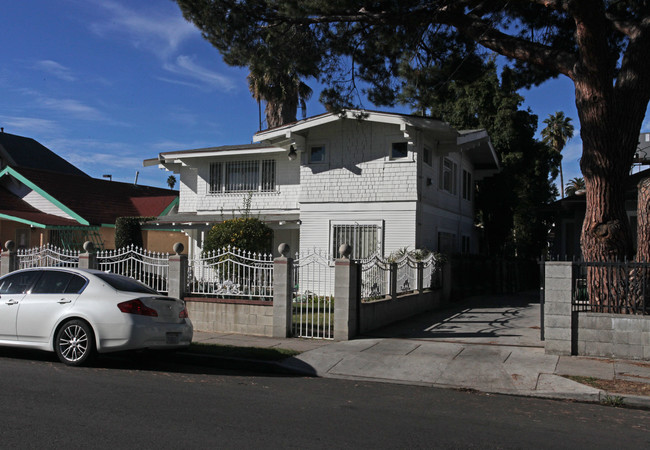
313 296
47 256
150 268
407 274
232 272
375 278
432 272
377 275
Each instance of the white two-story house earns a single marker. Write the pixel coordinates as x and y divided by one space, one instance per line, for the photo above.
378 181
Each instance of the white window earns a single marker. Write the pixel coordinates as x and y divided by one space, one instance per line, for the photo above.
467 185
317 154
242 176
364 238
399 150
448 175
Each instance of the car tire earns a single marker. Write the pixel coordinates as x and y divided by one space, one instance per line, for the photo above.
74 343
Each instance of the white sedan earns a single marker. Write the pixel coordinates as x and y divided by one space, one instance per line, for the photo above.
76 313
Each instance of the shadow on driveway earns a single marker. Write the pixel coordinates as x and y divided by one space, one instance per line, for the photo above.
512 319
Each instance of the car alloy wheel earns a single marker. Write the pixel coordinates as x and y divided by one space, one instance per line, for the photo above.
75 343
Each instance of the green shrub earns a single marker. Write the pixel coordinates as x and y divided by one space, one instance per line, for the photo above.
246 233
128 231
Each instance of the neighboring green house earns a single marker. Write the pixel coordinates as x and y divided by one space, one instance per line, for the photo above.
46 200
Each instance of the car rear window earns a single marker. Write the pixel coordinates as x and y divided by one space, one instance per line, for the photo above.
122 283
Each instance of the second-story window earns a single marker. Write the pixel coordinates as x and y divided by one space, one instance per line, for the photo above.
448 175
317 154
467 185
242 176
399 150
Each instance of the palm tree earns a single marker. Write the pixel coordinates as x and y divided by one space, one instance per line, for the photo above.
171 181
282 92
557 132
575 185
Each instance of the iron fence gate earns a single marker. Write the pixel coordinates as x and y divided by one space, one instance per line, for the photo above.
313 297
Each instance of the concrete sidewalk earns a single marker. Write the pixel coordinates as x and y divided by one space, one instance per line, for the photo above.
487 344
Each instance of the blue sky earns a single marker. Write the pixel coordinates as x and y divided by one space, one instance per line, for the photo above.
108 83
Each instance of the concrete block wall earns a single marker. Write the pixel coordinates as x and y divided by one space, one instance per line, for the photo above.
558 317
613 335
231 316
380 313
588 333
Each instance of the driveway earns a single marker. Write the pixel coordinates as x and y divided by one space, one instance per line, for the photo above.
508 320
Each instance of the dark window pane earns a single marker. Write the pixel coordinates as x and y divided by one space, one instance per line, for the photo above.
122 283
399 150
75 285
18 283
52 282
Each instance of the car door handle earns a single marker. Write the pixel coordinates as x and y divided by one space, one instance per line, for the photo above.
12 302
64 300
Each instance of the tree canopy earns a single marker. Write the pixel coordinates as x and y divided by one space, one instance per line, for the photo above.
601 45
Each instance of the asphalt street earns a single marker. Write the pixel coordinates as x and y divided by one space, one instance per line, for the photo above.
127 401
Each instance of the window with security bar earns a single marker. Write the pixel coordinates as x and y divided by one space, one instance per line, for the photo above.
242 176
365 240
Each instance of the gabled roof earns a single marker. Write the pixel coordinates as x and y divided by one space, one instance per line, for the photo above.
475 143
403 120
19 151
18 210
89 201
223 150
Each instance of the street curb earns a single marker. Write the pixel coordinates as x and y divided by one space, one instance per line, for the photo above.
234 363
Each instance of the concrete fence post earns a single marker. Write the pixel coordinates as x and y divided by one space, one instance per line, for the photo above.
88 260
9 261
177 282
346 296
282 293
393 281
558 315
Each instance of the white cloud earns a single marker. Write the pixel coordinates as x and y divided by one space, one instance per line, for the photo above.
186 66
162 33
153 30
56 69
93 155
27 126
72 107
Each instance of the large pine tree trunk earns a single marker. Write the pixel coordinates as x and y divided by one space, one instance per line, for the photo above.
609 131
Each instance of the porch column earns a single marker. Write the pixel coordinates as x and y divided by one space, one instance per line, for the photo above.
9 261
88 260
177 278
282 293
346 296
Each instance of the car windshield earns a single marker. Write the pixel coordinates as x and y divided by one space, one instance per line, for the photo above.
122 283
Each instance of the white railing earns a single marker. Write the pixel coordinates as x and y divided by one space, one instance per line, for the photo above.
375 278
150 268
407 274
232 272
313 296
47 256
379 276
